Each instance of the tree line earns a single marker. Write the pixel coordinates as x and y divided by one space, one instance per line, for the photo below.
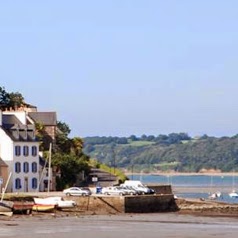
176 151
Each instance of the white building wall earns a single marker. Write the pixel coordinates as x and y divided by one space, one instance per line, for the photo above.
25 177
6 152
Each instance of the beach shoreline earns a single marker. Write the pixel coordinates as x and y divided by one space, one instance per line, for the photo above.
171 224
184 173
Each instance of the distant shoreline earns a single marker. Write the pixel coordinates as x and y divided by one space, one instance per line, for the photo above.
186 173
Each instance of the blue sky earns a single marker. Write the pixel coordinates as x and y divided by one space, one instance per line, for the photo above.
117 68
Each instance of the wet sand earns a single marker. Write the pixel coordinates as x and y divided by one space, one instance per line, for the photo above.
118 226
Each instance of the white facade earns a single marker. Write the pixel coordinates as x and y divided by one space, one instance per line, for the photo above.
6 145
25 167
22 158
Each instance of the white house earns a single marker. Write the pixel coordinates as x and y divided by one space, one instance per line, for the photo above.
19 149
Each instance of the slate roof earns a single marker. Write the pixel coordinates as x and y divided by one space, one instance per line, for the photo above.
16 130
45 118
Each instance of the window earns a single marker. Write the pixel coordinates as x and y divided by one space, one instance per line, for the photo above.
17 167
34 183
34 151
17 150
34 167
18 183
26 167
25 150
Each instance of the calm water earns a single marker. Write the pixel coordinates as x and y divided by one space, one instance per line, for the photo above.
217 182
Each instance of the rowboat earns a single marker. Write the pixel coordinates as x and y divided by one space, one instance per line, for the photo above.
6 208
59 202
43 207
22 207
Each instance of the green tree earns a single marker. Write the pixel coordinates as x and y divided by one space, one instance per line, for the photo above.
4 98
10 99
70 167
16 100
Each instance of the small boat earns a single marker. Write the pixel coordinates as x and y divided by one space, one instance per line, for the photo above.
24 207
233 194
6 206
59 202
215 195
43 207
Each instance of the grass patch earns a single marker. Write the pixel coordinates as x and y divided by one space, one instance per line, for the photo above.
140 143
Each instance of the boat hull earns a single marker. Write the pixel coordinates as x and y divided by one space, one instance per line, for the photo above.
23 207
6 206
59 202
43 207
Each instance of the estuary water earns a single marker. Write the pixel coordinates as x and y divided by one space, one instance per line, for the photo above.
203 185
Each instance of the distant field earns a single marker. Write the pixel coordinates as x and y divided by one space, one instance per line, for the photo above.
140 143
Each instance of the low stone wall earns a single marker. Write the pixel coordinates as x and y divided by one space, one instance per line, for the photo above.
100 204
150 203
127 204
161 189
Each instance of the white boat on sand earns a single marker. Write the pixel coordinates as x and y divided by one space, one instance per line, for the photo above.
59 202
6 208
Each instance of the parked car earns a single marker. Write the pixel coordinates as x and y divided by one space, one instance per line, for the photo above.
77 191
113 190
129 190
138 186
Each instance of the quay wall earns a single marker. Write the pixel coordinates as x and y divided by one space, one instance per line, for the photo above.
126 204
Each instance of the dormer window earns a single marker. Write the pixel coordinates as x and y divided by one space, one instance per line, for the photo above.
25 134
33 135
15 133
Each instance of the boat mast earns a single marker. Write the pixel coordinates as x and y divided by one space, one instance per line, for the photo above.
49 168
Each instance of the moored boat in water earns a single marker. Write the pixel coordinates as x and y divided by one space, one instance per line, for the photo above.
233 194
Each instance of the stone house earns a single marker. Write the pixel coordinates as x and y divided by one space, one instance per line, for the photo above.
49 121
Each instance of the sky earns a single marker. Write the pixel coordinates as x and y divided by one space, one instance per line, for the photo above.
125 67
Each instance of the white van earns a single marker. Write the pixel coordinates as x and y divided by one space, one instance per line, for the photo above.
138 186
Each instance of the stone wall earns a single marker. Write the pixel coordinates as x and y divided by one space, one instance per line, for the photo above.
150 203
162 189
100 204
128 204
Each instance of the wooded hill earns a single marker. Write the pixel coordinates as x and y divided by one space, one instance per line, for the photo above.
176 152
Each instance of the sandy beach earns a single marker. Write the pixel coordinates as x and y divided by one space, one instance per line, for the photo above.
185 223
117 226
